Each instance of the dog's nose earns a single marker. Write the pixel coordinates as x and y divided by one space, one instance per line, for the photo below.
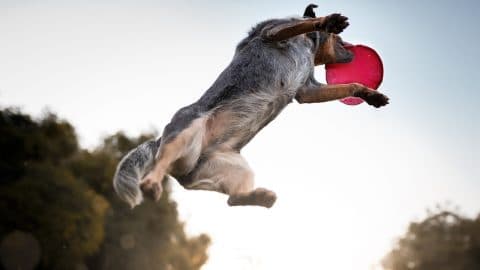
346 44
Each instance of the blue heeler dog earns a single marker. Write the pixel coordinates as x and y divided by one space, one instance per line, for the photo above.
272 66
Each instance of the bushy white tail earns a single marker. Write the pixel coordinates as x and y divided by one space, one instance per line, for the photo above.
131 169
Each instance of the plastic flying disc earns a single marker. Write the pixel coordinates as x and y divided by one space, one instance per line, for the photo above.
366 68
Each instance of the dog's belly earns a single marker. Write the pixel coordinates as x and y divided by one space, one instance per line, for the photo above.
233 125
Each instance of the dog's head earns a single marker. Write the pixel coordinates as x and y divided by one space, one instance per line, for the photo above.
330 47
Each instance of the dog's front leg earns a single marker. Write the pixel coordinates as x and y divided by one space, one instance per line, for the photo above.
334 23
314 93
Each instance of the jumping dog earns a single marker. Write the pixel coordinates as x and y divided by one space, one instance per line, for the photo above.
201 145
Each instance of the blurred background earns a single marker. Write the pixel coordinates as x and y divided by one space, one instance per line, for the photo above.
81 83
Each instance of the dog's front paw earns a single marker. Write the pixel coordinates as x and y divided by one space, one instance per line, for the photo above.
335 23
373 98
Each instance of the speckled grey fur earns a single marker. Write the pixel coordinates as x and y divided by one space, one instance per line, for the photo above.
261 80
132 168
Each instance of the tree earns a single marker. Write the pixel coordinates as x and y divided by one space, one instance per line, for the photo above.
149 237
62 195
66 216
443 241
24 141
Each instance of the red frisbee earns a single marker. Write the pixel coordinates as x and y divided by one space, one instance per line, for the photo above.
366 68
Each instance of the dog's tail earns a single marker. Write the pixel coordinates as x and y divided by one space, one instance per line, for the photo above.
132 168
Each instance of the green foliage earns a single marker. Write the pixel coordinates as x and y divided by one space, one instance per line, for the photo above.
24 141
63 196
443 241
65 215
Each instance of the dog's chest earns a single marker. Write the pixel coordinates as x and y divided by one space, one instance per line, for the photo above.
248 115
275 77
294 67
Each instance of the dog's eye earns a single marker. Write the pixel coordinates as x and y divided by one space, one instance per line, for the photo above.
283 43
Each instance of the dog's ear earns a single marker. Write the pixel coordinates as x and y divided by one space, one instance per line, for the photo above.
309 12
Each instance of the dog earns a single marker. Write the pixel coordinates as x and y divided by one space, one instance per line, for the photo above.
201 145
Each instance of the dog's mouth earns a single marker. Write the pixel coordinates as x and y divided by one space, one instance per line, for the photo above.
344 55
346 58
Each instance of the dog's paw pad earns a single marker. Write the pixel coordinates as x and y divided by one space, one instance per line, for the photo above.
265 197
373 98
336 23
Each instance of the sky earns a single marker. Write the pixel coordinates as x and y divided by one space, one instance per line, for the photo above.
349 179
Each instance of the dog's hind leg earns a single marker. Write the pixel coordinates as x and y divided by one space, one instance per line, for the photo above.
179 152
229 173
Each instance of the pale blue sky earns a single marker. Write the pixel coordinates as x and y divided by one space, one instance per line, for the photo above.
111 65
